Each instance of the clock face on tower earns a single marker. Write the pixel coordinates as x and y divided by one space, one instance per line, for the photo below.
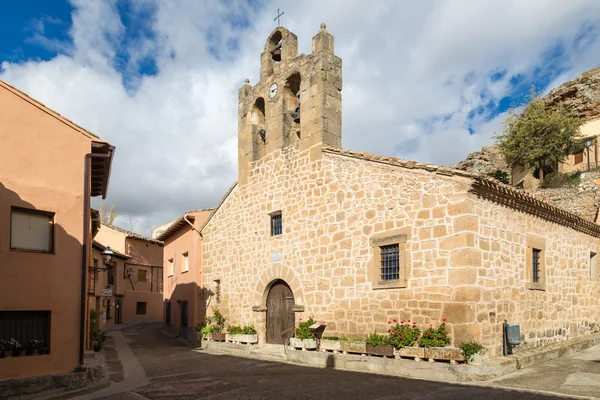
273 90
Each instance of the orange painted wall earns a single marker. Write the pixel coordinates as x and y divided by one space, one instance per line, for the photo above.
42 167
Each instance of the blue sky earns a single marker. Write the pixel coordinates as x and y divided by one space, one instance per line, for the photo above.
429 81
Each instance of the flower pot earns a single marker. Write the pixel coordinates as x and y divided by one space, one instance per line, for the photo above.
218 337
475 359
198 338
97 346
444 353
304 344
22 353
354 347
410 352
35 352
246 339
330 345
229 337
7 353
385 350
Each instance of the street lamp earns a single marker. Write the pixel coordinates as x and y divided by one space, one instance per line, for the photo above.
107 255
588 143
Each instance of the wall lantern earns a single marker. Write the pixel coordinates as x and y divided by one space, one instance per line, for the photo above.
107 255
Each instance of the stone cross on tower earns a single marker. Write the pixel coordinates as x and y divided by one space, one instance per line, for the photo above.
278 17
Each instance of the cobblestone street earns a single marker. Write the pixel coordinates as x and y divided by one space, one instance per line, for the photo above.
173 371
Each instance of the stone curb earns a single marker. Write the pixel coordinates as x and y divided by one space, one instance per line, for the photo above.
444 372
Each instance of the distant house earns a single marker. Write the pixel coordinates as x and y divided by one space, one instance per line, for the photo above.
131 289
579 161
184 300
49 169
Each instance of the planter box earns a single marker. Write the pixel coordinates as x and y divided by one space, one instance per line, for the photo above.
385 350
354 347
475 359
304 344
330 345
249 339
229 337
444 354
218 337
410 352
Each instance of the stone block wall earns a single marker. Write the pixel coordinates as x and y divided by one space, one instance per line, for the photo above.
465 256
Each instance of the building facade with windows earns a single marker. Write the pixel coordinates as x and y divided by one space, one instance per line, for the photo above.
131 288
49 169
357 239
184 305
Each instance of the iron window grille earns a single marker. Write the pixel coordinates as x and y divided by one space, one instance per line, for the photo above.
25 326
390 262
535 264
276 224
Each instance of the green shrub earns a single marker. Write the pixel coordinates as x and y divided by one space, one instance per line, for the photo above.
249 330
471 348
556 180
216 321
403 335
500 175
234 329
435 337
336 338
303 331
376 339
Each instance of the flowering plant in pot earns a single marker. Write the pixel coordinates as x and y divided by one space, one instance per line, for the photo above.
332 343
379 345
217 323
403 336
304 336
436 341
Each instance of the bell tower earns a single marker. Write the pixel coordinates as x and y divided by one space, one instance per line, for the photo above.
298 100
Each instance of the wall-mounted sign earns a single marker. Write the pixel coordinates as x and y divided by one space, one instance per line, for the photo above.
276 256
107 292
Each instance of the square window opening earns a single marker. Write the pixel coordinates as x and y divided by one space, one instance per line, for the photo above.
31 230
141 275
140 308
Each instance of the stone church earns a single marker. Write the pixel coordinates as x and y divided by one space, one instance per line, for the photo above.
357 239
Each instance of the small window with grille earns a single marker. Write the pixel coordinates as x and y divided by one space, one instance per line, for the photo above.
276 224
535 264
390 262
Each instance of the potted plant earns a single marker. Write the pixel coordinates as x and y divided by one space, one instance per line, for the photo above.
248 335
199 328
232 332
5 349
20 350
403 337
35 345
379 345
331 343
304 337
217 322
435 340
472 352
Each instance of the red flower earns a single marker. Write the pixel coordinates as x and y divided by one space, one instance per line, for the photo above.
389 322
394 321
409 321
402 321
414 323
430 324
444 319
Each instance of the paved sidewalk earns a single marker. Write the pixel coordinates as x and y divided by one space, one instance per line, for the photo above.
577 374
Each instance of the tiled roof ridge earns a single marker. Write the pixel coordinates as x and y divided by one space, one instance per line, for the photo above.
133 235
481 182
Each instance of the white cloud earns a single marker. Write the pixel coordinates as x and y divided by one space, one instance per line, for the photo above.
413 75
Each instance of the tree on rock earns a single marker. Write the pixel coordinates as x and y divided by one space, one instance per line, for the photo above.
540 137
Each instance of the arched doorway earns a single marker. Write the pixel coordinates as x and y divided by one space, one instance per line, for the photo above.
280 312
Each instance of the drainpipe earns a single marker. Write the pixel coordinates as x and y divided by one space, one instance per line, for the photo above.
86 228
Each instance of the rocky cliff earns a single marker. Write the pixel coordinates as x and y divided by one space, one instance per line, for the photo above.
486 161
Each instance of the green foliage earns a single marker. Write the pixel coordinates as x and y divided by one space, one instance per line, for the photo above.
199 327
97 337
539 137
502 176
216 321
433 337
234 329
249 330
558 180
471 348
403 335
303 331
376 339
336 338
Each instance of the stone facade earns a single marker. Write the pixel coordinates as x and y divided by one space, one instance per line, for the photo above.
463 243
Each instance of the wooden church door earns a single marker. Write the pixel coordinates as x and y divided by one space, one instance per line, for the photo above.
280 312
